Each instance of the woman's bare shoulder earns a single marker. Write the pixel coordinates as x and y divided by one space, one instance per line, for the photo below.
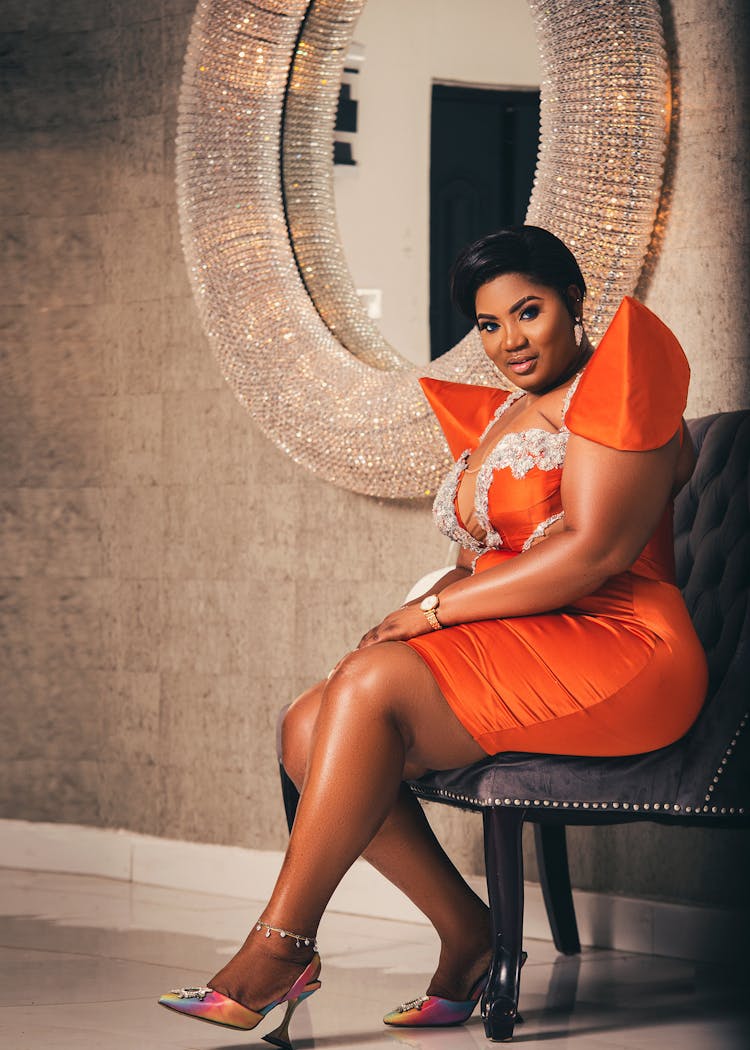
552 404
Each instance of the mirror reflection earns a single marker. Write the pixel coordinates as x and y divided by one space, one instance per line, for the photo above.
445 150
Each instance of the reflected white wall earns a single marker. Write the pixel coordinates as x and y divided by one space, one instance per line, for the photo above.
383 203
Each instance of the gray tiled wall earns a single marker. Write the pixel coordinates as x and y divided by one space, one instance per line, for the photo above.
169 578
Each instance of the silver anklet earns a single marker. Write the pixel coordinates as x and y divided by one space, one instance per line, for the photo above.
298 937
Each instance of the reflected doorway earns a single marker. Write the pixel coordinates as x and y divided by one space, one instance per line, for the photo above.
483 151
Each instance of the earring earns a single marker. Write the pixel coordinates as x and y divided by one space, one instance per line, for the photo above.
578 331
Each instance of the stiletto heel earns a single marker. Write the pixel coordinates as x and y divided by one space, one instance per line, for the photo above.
280 1036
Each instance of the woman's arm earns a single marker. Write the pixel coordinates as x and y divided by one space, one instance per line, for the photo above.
460 572
612 500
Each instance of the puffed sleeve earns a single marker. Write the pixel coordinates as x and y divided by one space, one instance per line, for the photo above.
633 391
462 410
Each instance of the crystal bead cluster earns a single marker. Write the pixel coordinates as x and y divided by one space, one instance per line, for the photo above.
258 224
444 508
521 451
191 993
541 530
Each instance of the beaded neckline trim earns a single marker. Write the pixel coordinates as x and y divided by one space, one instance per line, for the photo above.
518 451
444 509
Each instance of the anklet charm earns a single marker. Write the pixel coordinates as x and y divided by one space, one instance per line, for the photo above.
299 938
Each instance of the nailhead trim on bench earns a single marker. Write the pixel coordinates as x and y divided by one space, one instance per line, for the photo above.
727 754
488 803
635 806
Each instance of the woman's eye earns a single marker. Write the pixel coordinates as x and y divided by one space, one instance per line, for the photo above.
488 326
530 313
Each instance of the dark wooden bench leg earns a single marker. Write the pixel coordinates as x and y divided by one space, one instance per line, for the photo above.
504 863
290 796
552 858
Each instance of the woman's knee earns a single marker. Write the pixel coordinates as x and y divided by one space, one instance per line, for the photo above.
367 679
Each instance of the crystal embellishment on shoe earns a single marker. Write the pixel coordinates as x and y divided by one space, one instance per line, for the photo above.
414 1004
432 1011
190 993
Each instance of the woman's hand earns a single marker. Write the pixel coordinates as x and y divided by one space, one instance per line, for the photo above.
407 622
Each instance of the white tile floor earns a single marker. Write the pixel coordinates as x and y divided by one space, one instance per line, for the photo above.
82 961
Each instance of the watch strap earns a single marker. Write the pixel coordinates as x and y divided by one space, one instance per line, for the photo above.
432 619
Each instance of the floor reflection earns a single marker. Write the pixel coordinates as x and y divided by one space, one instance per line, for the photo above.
82 961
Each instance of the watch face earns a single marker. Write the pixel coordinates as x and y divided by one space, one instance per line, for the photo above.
430 602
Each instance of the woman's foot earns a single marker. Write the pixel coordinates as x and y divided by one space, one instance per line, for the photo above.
263 970
216 1007
458 982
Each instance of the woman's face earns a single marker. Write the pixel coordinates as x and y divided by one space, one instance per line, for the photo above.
527 330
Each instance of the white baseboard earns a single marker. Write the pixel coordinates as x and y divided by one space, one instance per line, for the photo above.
604 921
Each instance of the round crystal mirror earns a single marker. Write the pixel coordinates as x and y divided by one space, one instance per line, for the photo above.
255 192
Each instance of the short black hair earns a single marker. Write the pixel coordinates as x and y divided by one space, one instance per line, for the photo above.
528 250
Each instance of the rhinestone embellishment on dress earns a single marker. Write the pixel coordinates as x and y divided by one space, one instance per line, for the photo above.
520 451
517 452
444 510
540 530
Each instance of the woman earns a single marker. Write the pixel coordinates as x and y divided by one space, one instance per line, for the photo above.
559 631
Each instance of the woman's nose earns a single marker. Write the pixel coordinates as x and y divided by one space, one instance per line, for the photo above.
514 339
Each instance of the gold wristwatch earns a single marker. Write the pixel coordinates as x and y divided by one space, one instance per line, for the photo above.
428 606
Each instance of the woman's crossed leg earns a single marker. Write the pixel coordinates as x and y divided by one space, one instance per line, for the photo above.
349 743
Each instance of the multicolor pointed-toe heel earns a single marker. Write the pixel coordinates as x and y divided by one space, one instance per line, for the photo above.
205 1004
430 1011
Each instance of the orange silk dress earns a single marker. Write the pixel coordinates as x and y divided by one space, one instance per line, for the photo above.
620 671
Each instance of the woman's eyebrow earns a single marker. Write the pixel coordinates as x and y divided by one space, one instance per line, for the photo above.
522 302
512 310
